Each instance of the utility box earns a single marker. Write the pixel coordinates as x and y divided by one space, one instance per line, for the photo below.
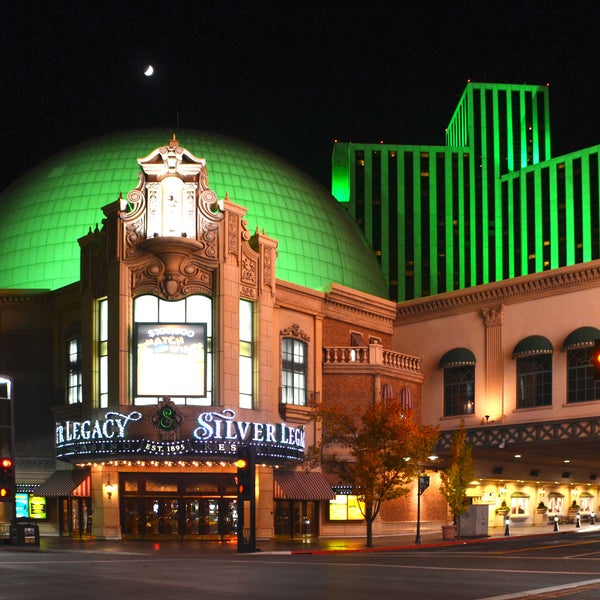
474 521
25 534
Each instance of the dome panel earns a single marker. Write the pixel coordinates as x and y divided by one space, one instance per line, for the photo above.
318 242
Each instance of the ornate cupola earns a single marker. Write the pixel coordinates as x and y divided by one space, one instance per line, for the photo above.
171 221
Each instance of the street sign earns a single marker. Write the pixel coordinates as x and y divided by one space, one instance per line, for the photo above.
423 483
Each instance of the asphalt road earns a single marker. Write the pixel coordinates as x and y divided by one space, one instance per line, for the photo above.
565 566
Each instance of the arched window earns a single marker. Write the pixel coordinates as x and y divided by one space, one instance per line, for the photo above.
579 346
459 382
534 371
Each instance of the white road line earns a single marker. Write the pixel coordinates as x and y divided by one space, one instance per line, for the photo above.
546 590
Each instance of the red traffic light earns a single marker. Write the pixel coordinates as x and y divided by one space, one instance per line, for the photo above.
595 360
6 463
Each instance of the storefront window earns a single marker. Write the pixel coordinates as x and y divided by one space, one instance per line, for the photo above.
345 508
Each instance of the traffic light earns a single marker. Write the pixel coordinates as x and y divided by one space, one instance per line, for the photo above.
595 360
245 471
7 479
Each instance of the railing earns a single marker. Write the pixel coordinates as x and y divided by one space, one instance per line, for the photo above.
548 431
373 354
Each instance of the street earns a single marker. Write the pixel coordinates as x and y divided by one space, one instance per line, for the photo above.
529 567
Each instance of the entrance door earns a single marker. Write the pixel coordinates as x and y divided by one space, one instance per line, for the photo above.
296 518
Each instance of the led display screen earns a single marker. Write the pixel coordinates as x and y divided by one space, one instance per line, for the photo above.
170 359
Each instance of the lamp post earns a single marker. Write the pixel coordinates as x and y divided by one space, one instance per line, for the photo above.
418 536
422 485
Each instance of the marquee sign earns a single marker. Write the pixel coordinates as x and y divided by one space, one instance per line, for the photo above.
139 435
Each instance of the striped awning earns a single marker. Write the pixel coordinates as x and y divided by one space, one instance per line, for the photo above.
71 482
301 485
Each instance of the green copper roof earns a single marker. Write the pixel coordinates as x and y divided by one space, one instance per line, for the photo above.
46 210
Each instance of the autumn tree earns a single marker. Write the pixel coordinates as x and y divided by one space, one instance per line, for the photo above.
377 453
459 474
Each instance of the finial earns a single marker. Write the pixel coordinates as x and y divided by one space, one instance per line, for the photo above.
174 142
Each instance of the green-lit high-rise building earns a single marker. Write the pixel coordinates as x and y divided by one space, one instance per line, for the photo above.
489 205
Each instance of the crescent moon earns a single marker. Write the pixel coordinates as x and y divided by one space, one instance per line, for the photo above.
149 71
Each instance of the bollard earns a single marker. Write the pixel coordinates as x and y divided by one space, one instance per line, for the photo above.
592 518
507 528
555 523
578 521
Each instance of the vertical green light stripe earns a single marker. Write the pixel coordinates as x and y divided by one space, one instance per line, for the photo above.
554 235
483 252
340 172
510 242
510 140
524 236
400 237
586 209
523 127
367 225
539 221
462 199
535 133
384 224
418 242
449 222
433 224
497 199
547 143
570 213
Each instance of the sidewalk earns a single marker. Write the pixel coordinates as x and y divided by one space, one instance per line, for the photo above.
430 537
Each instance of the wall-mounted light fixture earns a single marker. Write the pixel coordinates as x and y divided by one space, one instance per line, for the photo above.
108 487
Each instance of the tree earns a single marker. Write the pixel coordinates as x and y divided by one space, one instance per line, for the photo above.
459 474
377 453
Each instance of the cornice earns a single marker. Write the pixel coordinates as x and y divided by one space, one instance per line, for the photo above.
511 291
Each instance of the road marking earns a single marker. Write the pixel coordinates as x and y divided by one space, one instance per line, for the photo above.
551 592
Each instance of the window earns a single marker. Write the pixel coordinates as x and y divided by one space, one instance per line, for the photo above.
73 372
534 381
293 372
581 386
102 400
246 354
173 350
459 390
346 508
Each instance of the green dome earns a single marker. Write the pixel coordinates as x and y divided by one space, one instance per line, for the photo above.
46 210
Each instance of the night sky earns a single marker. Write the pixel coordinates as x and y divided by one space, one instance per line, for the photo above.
288 76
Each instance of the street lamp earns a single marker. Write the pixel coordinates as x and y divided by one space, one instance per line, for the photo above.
422 485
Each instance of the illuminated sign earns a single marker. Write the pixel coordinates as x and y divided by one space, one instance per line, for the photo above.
37 507
214 436
170 359
21 505
112 426
345 508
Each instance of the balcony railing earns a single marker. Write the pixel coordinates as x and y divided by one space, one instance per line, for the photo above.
373 354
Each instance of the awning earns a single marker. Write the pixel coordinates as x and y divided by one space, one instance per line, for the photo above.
583 337
71 482
301 485
534 344
457 357
555 495
519 495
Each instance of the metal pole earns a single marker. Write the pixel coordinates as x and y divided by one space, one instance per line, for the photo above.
418 537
